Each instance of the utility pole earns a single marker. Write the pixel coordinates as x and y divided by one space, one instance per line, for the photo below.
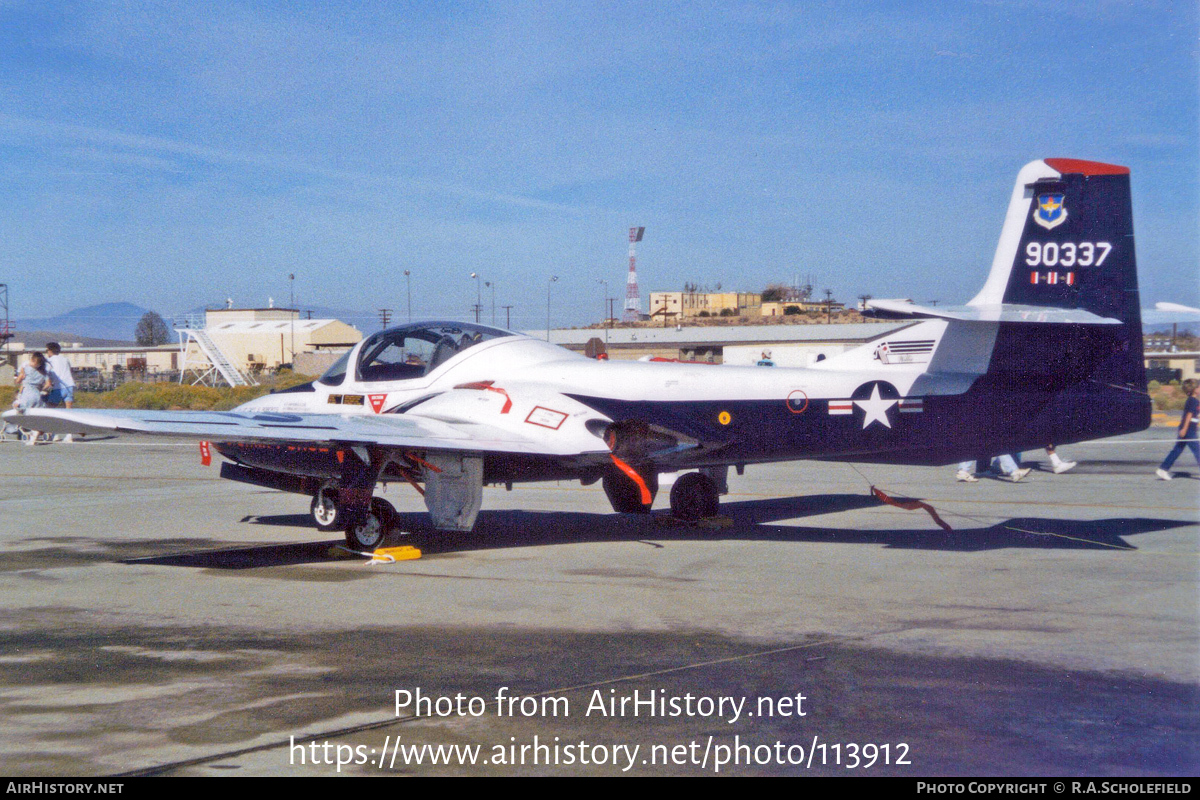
507 317
828 306
292 311
605 309
492 285
385 316
6 331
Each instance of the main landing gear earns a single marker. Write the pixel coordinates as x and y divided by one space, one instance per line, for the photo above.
366 532
374 526
695 496
624 492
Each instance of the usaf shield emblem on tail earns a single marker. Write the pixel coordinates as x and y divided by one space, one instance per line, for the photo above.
1050 212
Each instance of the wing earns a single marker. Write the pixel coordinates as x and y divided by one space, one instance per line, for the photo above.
1167 313
392 430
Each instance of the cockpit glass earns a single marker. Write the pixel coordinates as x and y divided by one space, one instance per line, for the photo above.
337 373
415 350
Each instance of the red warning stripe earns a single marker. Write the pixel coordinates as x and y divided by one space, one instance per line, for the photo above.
408 477
205 454
647 498
487 386
413 457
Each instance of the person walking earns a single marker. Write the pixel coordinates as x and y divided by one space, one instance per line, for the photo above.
1057 463
1186 435
1008 465
62 382
33 380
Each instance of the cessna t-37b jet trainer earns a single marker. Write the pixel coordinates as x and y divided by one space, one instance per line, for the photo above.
1048 352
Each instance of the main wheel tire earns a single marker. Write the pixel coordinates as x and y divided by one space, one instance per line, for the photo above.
374 527
385 510
327 513
625 495
695 496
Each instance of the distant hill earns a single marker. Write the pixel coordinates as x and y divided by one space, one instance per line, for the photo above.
112 321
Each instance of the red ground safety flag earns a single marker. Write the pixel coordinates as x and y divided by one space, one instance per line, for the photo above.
911 505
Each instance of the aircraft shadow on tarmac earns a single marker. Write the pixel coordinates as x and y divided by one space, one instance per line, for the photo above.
751 521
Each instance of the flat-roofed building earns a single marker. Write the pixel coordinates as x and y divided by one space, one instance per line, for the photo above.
1179 365
88 361
674 305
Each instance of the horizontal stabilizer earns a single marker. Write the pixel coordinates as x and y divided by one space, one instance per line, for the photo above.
1006 312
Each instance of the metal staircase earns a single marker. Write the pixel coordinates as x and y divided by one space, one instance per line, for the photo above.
217 363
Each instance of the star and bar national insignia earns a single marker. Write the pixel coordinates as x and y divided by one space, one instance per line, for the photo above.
875 400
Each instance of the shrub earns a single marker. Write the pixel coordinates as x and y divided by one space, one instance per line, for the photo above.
174 396
1167 398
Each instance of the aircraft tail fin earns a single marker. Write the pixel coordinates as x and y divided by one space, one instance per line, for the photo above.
1067 242
1066 253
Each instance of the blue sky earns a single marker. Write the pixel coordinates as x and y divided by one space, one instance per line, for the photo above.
173 155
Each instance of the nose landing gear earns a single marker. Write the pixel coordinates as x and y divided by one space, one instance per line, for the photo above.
327 513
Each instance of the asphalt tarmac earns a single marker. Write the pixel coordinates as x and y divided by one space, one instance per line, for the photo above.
157 620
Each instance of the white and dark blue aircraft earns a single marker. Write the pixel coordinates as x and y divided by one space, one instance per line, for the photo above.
1048 352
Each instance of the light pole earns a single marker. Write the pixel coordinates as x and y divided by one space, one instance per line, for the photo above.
549 283
408 284
492 285
478 295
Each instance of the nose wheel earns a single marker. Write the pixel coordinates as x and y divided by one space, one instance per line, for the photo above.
695 496
327 513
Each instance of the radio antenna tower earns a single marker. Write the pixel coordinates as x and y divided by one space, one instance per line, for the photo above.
633 299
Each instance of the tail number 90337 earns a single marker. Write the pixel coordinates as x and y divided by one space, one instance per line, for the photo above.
1066 254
